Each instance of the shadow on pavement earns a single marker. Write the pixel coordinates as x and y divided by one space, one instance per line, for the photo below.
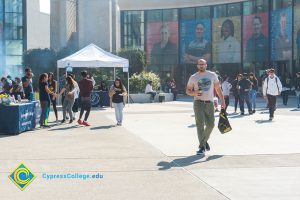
236 116
103 127
296 109
192 126
64 128
263 121
186 161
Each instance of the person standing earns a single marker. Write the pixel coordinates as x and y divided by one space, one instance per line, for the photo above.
27 83
297 88
286 81
69 98
226 86
271 89
86 88
201 86
253 91
173 89
52 85
76 96
117 94
235 90
44 93
244 89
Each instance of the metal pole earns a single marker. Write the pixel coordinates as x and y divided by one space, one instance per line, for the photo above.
128 100
57 99
114 73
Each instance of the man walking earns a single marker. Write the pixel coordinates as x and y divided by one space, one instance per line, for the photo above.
201 86
245 86
85 87
271 89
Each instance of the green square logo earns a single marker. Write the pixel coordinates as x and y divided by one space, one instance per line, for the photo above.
22 176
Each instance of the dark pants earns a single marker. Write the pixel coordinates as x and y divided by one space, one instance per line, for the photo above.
75 106
236 101
245 97
44 107
226 102
272 104
85 106
152 95
54 107
174 91
285 96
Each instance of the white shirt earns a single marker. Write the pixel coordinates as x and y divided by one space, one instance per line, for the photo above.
149 88
226 86
77 90
271 87
229 51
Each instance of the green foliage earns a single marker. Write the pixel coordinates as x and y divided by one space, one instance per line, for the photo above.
40 61
139 81
136 57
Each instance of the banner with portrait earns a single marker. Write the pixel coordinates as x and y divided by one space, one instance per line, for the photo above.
255 38
162 43
281 34
227 40
297 32
195 41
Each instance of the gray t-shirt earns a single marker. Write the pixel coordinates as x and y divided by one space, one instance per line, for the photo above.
206 82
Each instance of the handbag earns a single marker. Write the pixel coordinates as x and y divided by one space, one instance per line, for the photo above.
224 125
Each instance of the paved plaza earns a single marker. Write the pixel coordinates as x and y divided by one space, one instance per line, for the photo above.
152 156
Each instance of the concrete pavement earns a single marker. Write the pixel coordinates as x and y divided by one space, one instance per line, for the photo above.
152 156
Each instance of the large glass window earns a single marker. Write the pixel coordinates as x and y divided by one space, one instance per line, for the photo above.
133 29
13 35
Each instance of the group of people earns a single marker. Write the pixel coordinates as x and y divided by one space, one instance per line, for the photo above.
205 84
168 87
72 93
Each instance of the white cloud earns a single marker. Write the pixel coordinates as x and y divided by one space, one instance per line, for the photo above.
45 6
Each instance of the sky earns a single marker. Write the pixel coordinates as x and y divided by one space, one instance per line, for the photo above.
45 6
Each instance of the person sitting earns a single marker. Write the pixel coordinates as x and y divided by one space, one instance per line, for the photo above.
102 86
149 90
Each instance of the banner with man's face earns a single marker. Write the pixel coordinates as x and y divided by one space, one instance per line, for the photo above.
195 41
227 40
281 34
162 43
255 38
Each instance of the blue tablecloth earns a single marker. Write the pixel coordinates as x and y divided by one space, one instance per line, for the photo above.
100 98
16 119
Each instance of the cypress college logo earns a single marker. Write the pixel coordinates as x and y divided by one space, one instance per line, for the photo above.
22 176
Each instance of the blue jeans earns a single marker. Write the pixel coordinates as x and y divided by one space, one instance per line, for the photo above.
298 98
119 111
252 96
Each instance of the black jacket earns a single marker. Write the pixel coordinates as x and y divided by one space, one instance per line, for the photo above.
245 86
297 84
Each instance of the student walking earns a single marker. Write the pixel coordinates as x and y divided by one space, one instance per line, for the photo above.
271 89
201 86
69 98
117 94
86 88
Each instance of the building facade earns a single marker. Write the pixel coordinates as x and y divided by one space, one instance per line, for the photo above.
22 27
233 36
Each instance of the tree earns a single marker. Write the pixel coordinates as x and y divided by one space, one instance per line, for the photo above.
40 61
138 82
136 57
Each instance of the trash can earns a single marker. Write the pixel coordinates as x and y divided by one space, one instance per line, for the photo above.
161 98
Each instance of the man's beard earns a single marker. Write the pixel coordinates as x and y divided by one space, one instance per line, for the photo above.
202 69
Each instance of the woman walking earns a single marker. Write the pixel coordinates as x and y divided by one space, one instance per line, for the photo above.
69 98
117 94
44 93
52 85
253 91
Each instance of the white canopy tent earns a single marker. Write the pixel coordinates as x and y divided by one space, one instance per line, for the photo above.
93 56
